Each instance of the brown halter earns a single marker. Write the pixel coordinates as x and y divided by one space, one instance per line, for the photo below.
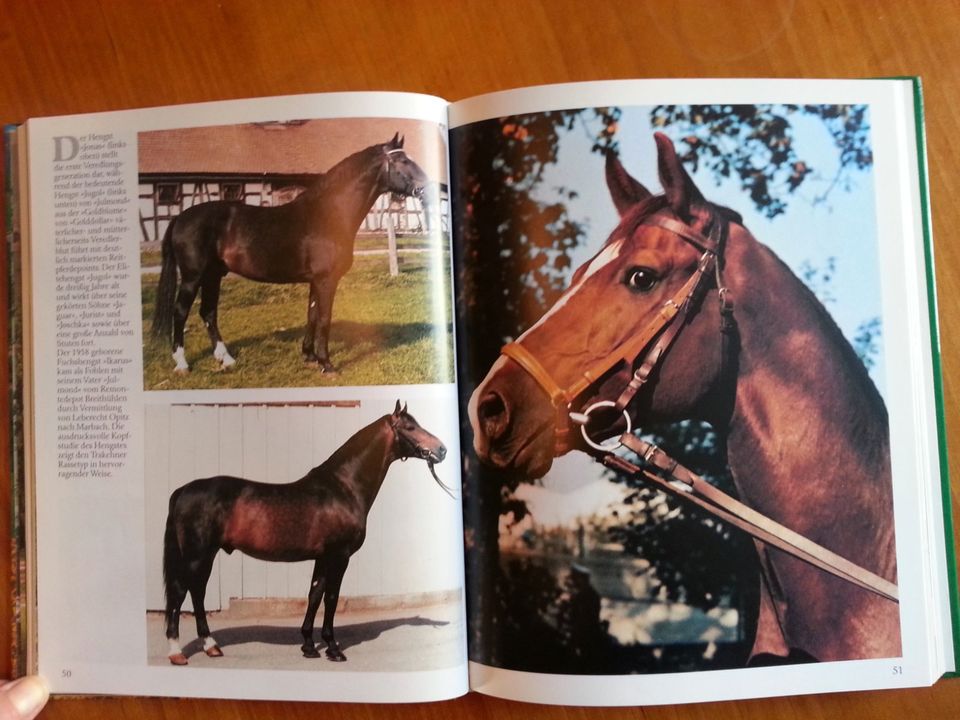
661 470
667 324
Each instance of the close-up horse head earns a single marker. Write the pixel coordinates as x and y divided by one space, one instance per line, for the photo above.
683 314
666 252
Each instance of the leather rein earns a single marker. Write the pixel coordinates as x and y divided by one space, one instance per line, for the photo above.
646 350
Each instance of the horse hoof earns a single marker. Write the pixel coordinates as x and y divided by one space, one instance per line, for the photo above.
329 370
178 659
310 651
214 651
336 655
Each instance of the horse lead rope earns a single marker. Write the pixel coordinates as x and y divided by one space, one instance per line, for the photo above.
672 477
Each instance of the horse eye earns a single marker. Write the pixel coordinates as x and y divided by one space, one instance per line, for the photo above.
641 279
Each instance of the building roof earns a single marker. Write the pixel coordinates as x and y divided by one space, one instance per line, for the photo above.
298 147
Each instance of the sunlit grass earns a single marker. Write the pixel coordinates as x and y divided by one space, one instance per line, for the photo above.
384 332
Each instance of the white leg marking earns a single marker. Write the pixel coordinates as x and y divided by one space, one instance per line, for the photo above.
220 353
209 642
174 647
181 359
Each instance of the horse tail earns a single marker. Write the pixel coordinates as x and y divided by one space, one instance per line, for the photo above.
172 554
166 288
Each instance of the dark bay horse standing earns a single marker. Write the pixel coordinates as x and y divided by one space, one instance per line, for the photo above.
308 240
321 517
805 429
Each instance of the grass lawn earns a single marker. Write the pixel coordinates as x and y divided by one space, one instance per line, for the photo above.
386 331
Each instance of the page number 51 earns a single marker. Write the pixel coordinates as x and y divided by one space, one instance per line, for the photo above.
898 669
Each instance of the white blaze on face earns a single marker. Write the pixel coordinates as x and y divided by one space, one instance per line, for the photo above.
600 261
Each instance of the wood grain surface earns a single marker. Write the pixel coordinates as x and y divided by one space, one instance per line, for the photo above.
77 56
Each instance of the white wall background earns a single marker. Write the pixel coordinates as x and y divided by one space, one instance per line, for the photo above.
413 531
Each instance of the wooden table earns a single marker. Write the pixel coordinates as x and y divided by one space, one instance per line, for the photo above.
75 56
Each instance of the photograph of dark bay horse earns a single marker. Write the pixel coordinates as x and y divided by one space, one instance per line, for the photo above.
805 429
320 517
308 240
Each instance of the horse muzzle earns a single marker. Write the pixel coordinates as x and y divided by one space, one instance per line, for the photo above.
509 431
434 456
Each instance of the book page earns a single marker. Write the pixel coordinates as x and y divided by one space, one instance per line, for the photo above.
242 328
732 271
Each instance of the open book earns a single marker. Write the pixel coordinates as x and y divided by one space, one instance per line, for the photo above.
660 356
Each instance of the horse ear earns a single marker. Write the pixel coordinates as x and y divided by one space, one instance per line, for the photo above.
396 139
402 138
624 190
679 188
396 409
404 411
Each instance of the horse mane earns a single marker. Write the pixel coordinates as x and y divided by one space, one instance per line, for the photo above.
350 167
355 446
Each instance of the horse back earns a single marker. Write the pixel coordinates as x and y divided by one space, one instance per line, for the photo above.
279 522
281 244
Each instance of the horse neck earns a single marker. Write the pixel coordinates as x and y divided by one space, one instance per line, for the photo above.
351 186
808 440
360 465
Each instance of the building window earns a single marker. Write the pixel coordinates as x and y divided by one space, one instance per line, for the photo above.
168 193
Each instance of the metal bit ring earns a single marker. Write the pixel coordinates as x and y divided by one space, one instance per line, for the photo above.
583 418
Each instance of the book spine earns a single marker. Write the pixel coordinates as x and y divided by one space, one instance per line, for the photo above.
14 382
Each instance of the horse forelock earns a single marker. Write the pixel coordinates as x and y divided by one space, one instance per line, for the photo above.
632 219
705 216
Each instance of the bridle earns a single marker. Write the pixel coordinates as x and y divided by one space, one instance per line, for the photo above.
646 349
407 448
412 189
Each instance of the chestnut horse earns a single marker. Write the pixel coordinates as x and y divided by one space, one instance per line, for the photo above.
308 240
320 517
804 427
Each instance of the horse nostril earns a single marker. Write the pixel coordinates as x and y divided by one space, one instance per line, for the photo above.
441 453
493 415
